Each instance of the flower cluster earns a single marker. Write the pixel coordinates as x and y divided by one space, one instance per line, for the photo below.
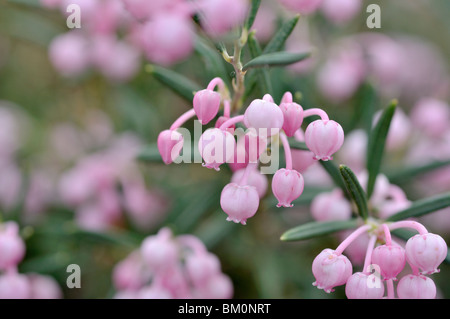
168 267
14 285
423 252
264 120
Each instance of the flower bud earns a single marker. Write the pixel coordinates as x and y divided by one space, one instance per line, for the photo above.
293 117
206 105
426 252
69 53
287 185
324 138
340 11
302 160
239 202
302 6
170 144
266 117
331 206
12 247
159 251
255 178
416 287
216 147
390 259
220 16
201 267
14 286
44 287
330 270
432 116
362 286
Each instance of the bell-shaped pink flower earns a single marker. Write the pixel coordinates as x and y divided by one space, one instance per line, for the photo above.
432 116
249 147
12 247
170 144
220 16
219 286
340 11
201 267
302 6
287 185
206 105
426 252
391 260
255 178
14 286
331 206
159 251
128 273
216 147
44 287
239 202
302 160
324 138
363 286
264 116
416 287
293 117
330 270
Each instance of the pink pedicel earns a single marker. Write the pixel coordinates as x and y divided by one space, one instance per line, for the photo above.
331 206
12 247
287 186
293 117
391 260
330 270
170 144
264 116
302 6
206 105
216 147
324 138
364 286
426 252
416 287
239 202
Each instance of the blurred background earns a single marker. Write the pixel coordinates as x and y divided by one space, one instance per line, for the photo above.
64 132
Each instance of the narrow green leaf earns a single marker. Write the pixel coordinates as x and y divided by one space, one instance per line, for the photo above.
213 61
252 15
335 174
278 40
180 84
275 59
402 174
317 229
375 149
261 75
355 190
150 153
423 207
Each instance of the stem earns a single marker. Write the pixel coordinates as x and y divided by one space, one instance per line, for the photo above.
231 121
390 289
368 258
182 119
409 224
287 150
316 111
244 178
351 238
216 82
226 108
387 235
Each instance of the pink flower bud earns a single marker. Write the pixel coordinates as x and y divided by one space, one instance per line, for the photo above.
255 178
14 286
416 287
331 206
426 252
287 185
217 287
302 160
206 105
324 138
362 286
341 11
128 273
220 16
216 147
44 287
293 117
12 247
390 259
266 117
159 251
170 144
330 270
153 292
239 202
302 6
432 116
201 267
69 53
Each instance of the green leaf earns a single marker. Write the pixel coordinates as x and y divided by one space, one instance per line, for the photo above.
252 15
402 174
278 40
423 207
150 153
180 84
332 170
262 75
317 229
355 190
275 59
375 149
213 61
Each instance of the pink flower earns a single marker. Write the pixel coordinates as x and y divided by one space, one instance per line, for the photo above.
416 287
220 16
216 147
324 138
426 252
390 259
331 206
201 268
206 105
170 144
69 53
12 247
264 116
14 286
44 287
432 116
302 160
255 179
128 273
302 6
293 117
341 11
159 252
331 270
363 286
287 185
239 202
